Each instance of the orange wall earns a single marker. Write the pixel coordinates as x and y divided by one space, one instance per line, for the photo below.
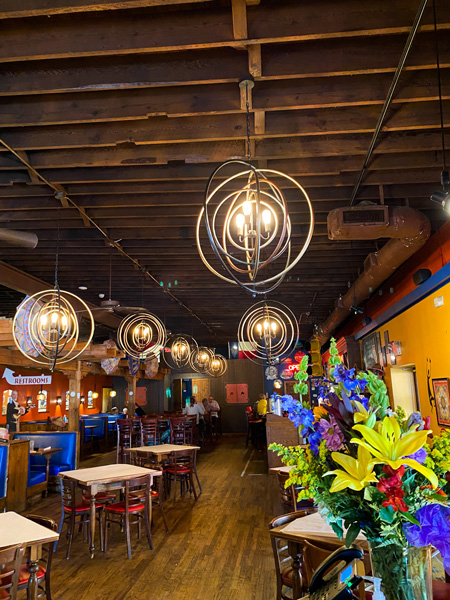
58 387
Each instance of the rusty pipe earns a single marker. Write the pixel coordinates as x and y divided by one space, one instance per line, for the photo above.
408 229
22 239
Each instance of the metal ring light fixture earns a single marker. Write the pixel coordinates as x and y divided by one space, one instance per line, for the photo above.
46 328
141 335
200 359
178 349
248 226
268 331
218 366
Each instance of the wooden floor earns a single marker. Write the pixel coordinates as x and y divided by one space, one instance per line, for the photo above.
218 547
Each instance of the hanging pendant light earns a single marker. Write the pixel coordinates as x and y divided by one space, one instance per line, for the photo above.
217 366
200 359
178 350
46 328
141 335
245 214
269 332
40 395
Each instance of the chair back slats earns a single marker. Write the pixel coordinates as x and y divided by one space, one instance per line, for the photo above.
149 432
68 493
10 561
287 494
177 430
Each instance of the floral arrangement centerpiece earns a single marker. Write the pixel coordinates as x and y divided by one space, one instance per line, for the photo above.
375 471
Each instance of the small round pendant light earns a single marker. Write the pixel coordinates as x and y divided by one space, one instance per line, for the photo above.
218 366
141 335
200 359
178 349
269 332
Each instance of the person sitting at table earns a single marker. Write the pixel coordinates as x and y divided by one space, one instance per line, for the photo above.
212 407
125 412
261 407
196 408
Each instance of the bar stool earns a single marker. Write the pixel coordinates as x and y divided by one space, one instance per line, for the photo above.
125 429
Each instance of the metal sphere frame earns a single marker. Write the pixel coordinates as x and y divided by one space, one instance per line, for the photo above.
268 342
141 335
52 328
200 359
178 357
263 196
218 366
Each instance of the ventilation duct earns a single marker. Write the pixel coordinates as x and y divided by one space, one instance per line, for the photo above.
408 229
22 239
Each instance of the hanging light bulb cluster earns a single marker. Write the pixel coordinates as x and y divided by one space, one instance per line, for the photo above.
217 366
200 359
246 218
178 350
141 335
268 331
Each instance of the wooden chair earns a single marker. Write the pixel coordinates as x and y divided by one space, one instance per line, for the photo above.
181 467
44 564
157 489
191 429
163 430
254 429
136 503
73 513
289 495
177 430
283 561
125 430
10 561
149 432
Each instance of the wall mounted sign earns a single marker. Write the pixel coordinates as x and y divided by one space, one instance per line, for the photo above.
12 379
237 393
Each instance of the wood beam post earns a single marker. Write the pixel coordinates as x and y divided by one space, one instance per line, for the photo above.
131 395
239 13
74 403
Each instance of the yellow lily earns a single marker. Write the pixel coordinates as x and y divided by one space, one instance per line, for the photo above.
363 415
389 446
358 473
319 412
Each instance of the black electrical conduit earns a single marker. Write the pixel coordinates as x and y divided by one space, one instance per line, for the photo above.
59 192
389 97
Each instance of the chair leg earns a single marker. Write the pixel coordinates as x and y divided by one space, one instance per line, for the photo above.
198 480
105 543
147 530
48 593
100 529
191 481
163 514
127 531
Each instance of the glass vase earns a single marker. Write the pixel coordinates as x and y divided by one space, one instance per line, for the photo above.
405 572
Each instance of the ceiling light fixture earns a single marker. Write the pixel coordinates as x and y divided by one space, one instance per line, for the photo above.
217 366
200 359
40 395
46 327
178 350
247 222
268 332
141 335
82 287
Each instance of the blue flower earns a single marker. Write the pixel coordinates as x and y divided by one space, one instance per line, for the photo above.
415 419
296 413
314 440
420 456
434 529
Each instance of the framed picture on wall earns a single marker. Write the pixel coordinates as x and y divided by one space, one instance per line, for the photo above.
42 402
442 398
90 400
371 349
67 400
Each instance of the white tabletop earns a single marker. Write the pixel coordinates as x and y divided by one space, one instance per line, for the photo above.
17 530
163 448
107 473
284 469
313 526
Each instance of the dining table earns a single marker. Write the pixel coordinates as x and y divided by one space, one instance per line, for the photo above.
312 528
93 480
162 451
16 530
283 469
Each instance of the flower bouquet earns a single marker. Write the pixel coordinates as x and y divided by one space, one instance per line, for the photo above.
374 471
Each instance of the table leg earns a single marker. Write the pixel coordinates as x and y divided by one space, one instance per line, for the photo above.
92 521
150 507
47 472
32 589
295 550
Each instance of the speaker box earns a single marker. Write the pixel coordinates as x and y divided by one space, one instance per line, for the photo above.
421 275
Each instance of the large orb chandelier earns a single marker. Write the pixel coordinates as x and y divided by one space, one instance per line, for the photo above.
46 327
200 359
268 331
248 226
217 366
178 350
141 335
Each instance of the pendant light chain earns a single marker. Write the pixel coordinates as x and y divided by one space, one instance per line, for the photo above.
247 106
57 248
438 68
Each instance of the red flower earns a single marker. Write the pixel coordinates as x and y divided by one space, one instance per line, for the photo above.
427 423
392 487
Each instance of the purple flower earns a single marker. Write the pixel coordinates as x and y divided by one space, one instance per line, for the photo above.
330 432
420 456
434 529
416 419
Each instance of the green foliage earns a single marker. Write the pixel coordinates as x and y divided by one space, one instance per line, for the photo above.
334 359
301 376
378 392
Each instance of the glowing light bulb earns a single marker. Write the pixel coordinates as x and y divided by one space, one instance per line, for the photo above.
64 321
204 357
44 320
266 325
146 331
259 328
273 326
54 317
183 348
247 208
112 393
240 220
95 395
267 218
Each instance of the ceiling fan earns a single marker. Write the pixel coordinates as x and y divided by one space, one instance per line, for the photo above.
22 239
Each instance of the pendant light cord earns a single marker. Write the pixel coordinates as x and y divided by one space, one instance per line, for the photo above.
57 248
438 68
247 107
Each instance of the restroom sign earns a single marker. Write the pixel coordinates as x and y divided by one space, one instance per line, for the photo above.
12 379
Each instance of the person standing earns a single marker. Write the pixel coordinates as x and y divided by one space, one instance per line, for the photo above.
13 412
212 407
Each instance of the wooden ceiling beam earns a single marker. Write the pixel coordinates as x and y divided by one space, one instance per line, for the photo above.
322 58
15 9
331 121
96 34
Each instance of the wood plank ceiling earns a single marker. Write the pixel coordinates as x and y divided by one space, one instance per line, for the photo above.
129 105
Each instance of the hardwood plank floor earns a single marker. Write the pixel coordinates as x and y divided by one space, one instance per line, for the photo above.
218 547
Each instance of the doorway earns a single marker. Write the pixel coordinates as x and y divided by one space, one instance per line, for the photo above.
404 388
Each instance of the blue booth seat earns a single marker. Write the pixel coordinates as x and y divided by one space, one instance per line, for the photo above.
111 420
64 460
99 433
3 469
35 475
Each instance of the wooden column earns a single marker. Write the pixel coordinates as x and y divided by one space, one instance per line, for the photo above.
74 397
131 398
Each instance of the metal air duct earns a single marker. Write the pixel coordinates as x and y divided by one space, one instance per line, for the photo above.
408 229
22 239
